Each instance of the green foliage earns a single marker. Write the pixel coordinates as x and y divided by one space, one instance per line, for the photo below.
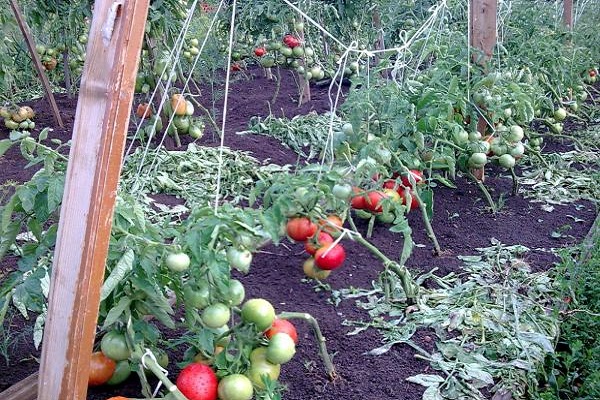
573 372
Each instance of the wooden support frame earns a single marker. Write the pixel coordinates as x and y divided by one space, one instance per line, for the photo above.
483 29
99 134
568 14
37 63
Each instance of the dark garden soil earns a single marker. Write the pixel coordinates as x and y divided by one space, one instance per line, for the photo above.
461 223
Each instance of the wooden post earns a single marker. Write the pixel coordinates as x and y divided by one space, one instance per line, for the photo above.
568 14
99 134
482 34
37 63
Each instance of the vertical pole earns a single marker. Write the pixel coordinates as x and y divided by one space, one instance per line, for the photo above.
483 36
483 28
37 63
568 14
99 134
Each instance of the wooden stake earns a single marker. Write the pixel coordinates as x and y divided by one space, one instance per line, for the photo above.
482 34
23 390
101 123
37 63
568 14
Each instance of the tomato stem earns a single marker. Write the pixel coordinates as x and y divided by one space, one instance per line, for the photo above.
485 192
437 250
151 364
329 367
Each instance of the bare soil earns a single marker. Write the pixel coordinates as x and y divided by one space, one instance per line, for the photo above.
461 224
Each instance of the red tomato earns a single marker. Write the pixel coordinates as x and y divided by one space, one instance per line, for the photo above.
311 245
374 199
101 369
332 224
236 67
282 325
330 257
291 41
198 382
300 228
391 184
358 201
260 51
417 176
414 204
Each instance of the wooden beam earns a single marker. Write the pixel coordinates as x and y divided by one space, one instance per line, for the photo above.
23 390
37 63
99 134
482 34
568 14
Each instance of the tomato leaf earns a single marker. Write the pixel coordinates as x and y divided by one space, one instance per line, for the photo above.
124 265
115 313
4 146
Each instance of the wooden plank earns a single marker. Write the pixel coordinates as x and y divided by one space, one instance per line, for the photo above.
37 63
23 390
482 33
568 14
101 122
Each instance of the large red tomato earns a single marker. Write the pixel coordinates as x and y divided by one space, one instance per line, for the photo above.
330 257
198 382
300 228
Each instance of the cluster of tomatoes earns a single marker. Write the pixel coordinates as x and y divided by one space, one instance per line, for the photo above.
18 117
199 381
182 111
202 379
399 189
326 254
592 76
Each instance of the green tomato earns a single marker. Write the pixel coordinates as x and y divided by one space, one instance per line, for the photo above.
235 387
197 296
260 366
477 160
239 259
114 346
342 191
216 315
560 114
507 161
281 348
122 372
258 312
178 262
236 292
516 134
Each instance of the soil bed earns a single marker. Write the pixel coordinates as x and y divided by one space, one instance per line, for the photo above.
461 224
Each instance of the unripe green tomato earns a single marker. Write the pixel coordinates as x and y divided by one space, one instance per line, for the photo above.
177 262
281 348
216 315
507 161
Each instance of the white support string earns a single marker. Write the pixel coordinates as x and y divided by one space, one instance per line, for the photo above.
225 103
